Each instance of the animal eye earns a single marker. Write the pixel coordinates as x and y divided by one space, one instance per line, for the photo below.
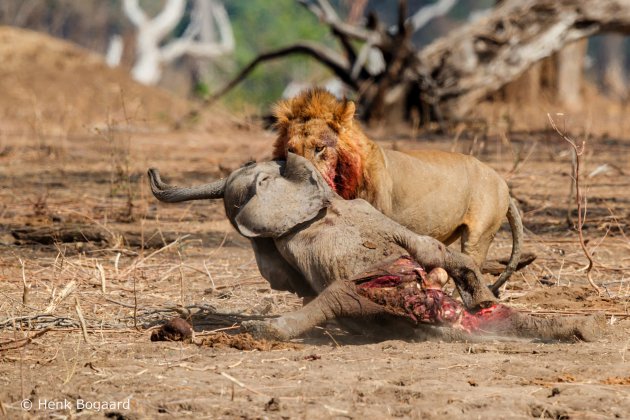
291 149
319 149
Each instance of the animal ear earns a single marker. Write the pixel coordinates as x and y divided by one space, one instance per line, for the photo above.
282 203
298 168
282 114
301 171
345 113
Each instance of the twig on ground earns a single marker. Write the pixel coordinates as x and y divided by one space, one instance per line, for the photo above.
187 366
214 287
135 302
41 318
24 285
77 308
139 262
101 272
241 384
332 338
581 214
70 374
576 312
211 332
117 302
181 279
22 341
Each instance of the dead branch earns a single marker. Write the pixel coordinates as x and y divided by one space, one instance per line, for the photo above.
77 308
479 58
39 318
579 199
152 50
22 341
326 13
445 80
335 62
423 16
241 384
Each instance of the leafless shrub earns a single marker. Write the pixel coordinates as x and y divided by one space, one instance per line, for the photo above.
580 200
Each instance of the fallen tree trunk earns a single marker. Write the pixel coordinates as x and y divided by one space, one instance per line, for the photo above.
462 68
445 80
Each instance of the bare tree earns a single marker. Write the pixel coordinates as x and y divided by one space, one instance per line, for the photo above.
152 53
446 79
378 69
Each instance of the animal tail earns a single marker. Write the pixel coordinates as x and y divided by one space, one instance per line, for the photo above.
516 225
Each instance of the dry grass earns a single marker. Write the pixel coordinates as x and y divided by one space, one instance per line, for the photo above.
186 261
90 263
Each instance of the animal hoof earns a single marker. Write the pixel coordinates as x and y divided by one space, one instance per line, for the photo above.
263 330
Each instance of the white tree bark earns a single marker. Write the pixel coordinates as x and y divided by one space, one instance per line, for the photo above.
114 51
152 55
448 78
479 58
426 14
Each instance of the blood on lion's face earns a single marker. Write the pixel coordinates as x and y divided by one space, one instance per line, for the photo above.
320 128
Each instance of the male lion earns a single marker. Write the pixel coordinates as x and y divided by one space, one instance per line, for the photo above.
439 194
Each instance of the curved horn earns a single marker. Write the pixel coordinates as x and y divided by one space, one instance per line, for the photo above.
173 194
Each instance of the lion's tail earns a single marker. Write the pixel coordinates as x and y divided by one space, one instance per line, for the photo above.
514 218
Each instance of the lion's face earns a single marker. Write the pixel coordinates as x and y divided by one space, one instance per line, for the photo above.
321 128
316 141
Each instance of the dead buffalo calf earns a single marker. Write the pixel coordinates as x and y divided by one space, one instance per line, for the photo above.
310 241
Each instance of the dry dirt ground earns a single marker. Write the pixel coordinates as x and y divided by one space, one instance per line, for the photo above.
90 263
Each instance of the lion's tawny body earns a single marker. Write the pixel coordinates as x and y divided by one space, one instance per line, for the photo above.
440 194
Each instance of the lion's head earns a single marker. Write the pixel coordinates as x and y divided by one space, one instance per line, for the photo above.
321 128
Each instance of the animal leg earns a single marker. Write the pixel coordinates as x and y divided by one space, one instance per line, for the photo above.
502 320
476 240
430 253
479 234
340 299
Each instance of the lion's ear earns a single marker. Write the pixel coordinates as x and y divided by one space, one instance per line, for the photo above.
345 113
283 114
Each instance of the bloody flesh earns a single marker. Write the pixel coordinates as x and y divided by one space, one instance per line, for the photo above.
404 289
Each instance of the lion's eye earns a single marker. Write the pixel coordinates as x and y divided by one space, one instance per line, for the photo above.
319 149
291 149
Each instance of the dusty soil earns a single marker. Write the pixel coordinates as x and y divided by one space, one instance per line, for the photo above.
91 264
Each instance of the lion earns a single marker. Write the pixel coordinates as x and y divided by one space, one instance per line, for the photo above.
440 194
